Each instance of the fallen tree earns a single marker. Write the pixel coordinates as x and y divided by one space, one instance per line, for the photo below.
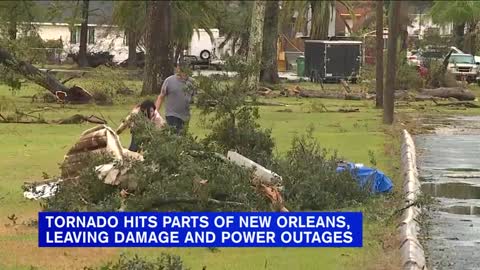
22 118
330 95
73 94
459 93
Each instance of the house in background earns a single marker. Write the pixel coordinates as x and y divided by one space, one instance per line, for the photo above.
100 38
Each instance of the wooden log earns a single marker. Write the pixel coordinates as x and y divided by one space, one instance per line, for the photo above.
74 95
329 95
459 93
459 104
88 144
78 119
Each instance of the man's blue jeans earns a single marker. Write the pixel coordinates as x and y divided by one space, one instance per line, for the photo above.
176 123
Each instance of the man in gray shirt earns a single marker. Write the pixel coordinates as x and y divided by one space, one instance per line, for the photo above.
178 91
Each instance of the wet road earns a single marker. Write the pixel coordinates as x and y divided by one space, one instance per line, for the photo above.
449 167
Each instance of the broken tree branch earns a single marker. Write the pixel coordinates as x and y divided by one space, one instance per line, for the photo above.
466 104
73 77
75 119
74 95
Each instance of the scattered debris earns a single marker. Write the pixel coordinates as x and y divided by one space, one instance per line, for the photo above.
95 59
378 181
41 190
19 118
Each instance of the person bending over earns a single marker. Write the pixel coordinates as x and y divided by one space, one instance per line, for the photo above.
147 109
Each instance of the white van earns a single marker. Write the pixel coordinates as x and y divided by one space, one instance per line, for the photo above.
202 46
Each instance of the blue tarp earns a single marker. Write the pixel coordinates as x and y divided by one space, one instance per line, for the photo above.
380 183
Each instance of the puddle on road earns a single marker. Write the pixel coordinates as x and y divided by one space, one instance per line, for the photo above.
453 190
462 210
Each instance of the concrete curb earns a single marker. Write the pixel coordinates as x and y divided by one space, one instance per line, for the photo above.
411 251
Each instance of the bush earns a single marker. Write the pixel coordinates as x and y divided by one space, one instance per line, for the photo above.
408 78
164 262
103 83
87 193
437 75
311 181
234 119
102 97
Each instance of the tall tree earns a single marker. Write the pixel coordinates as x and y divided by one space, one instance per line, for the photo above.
256 38
389 91
463 14
82 52
130 16
15 15
187 18
379 55
152 39
269 69
321 15
233 20
165 52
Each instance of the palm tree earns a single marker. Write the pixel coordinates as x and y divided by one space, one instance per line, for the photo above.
321 15
188 17
233 20
130 16
461 14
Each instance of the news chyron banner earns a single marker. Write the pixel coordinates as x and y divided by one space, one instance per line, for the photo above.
205 229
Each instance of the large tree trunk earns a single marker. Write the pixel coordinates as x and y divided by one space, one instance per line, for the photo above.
379 55
449 92
165 50
459 30
403 24
256 38
269 70
470 45
132 48
388 96
75 94
82 52
12 29
152 36
320 19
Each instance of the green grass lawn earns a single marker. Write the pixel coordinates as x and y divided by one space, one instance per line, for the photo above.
29 150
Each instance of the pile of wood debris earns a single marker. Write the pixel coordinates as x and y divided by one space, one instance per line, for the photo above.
102 139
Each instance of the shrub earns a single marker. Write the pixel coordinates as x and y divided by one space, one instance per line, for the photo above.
233 118
102 97
87 193
408 78
437 75
311 181
164 262
104 82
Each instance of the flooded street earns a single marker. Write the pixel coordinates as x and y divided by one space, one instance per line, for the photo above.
449 168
